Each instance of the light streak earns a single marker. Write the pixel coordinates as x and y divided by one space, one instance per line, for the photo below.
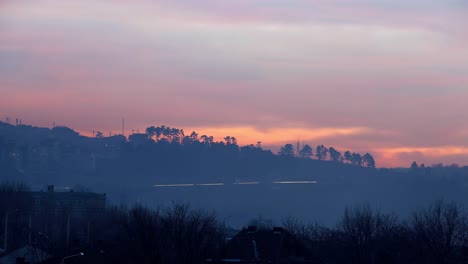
295 182
246 183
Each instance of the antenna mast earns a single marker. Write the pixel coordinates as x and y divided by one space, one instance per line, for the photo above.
123 126
297 147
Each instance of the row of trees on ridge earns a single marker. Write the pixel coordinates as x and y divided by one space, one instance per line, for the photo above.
178 136
324 153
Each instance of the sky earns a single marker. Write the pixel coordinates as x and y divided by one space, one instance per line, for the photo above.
389 77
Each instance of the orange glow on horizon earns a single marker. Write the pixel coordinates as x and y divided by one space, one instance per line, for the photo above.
428 151
391 157
275 136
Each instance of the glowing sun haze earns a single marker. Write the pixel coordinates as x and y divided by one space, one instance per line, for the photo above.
389 77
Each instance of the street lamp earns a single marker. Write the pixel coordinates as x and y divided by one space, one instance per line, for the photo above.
72 256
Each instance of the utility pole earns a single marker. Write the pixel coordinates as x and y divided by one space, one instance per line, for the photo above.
5 242
123 126
68 230
297 147
30 230
88 232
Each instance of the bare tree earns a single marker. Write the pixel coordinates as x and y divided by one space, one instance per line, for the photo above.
321 242
189 235
441 230
143 227
363 229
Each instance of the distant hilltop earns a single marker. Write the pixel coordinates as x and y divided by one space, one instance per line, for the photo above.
42 155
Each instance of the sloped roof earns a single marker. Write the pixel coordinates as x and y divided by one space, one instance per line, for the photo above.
30 254
69 195
266 244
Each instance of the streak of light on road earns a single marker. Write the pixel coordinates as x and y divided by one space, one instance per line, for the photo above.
246 183
174 185
189 184
295 182
210 184
235 183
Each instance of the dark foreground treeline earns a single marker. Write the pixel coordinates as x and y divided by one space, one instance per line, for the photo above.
436 234
180 234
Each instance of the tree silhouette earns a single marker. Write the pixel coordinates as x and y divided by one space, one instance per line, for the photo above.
363 229
348 157
287 150
305 152
321 152
414 168
151 131
356 159
368 160
335 155
165 133
194 136
258 145
230 140
158 132
440 229
176 135
99 134
207 139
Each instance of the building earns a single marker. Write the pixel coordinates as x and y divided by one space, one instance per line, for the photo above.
71 203
138 139
25 254
68 217
264 245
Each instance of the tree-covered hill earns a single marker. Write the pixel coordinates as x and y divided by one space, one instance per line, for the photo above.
60 154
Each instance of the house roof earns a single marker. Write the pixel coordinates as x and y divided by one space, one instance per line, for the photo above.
30 254
68 195
264 244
